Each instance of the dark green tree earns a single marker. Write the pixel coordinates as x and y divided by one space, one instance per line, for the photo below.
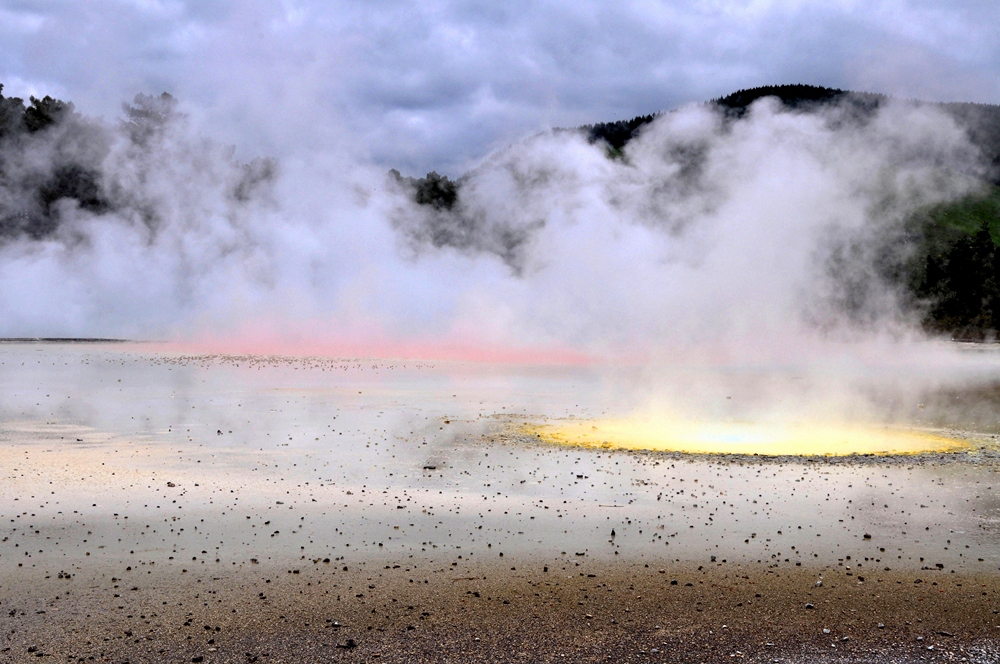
11 116
46 112
148 115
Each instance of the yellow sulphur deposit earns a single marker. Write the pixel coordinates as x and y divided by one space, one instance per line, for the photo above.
799 439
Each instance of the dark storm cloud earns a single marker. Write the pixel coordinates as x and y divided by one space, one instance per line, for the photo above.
423 85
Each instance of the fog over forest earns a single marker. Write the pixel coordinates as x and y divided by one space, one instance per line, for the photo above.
772 212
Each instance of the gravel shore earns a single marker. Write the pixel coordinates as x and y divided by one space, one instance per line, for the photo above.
576 611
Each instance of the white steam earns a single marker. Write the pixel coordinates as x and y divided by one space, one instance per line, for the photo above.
708 237
707 233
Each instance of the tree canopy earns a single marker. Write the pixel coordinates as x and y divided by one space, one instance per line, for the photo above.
54 160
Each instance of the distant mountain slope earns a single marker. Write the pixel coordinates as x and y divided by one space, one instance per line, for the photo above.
618 134
948 272
982 121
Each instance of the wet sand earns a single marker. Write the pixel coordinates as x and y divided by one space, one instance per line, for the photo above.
247 509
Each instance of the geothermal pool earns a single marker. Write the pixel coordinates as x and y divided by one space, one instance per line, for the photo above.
192 469
267 456
748 438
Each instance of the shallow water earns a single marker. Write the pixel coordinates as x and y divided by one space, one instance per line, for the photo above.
359 460
748 438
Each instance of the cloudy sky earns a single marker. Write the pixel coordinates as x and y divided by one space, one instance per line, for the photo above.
438 84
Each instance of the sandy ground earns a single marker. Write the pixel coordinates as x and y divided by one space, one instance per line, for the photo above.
433 611
263 511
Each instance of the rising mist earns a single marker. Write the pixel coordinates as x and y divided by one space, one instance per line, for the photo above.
756 239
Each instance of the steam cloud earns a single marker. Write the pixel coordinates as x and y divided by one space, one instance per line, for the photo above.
708 229
748 238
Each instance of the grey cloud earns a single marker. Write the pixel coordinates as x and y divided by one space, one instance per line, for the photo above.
437 86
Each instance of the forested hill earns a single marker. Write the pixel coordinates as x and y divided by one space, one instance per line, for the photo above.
982 121
617 134
945 262
57 164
